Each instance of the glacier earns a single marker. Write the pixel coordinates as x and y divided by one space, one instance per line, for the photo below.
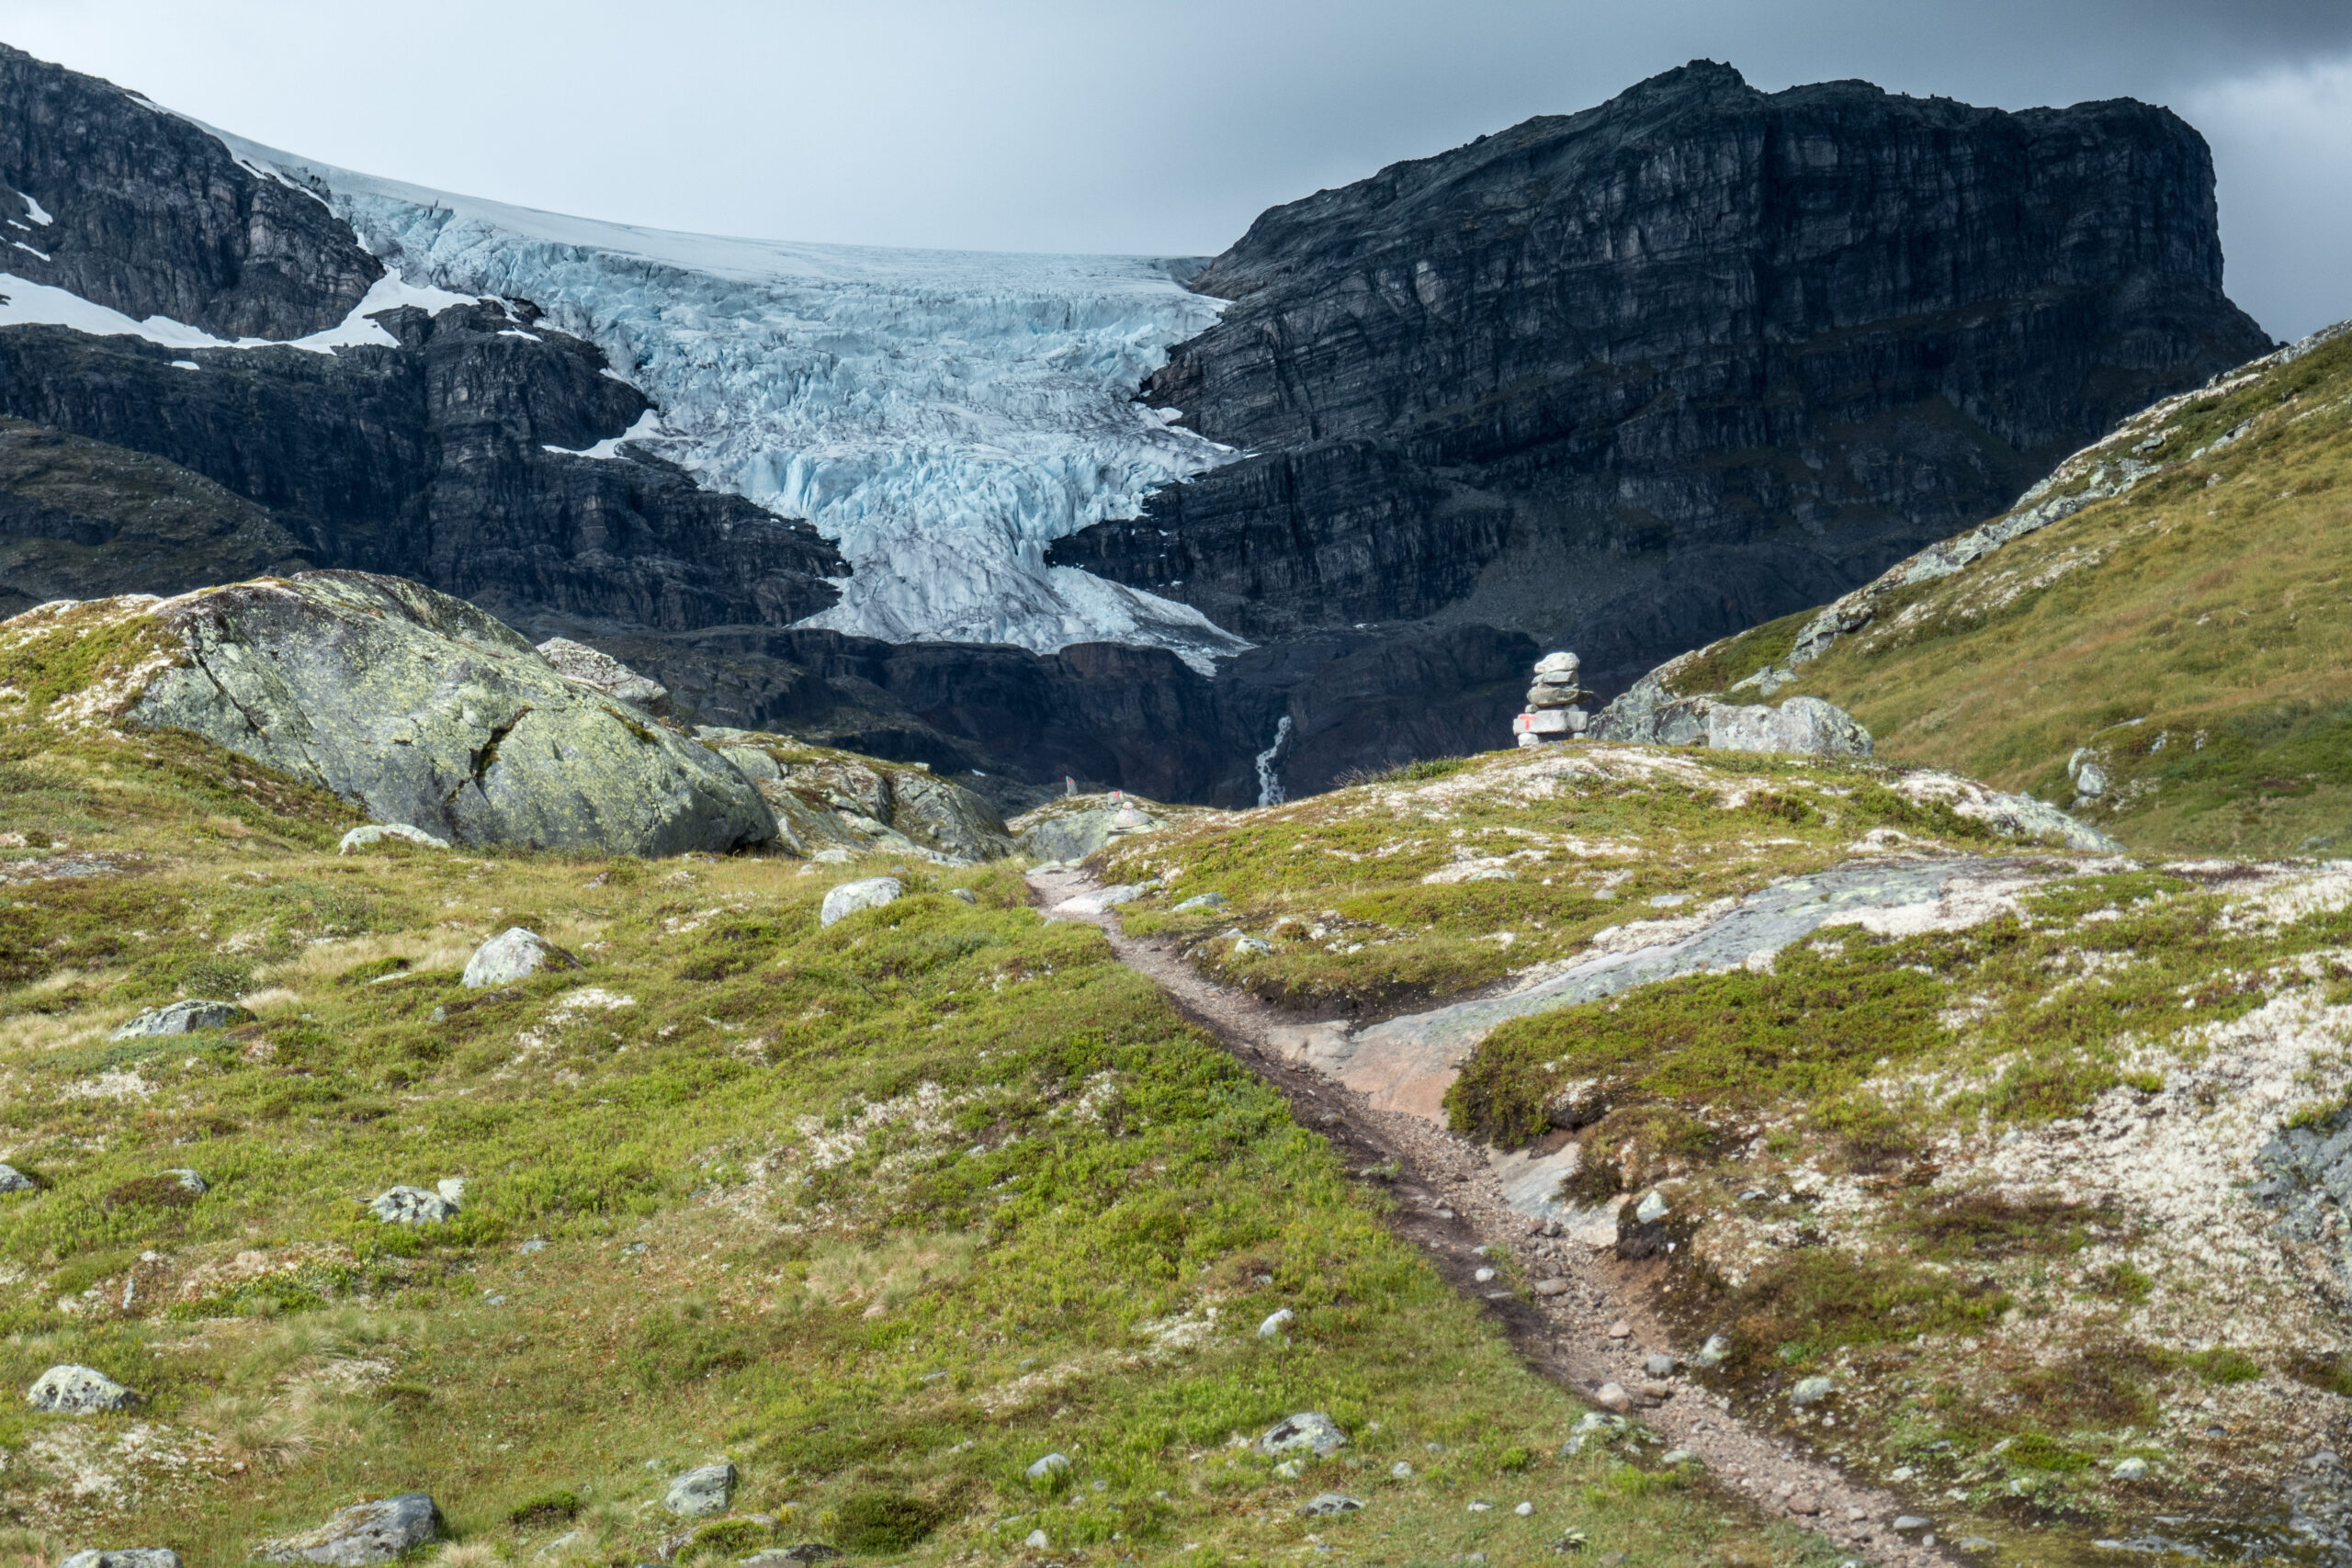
941 416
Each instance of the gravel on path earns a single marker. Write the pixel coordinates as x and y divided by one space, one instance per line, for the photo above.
1448 1203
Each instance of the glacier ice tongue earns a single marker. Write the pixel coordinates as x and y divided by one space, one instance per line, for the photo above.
941 416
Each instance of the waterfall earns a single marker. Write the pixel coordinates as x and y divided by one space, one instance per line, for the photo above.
1270 787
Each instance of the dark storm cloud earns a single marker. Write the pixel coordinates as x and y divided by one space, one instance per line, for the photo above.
1141 126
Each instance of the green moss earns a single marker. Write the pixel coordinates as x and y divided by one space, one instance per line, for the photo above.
1813 1029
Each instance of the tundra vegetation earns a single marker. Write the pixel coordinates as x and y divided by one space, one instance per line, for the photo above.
880 1212
2192 632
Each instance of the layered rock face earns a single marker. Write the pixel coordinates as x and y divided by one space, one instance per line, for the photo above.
136 209
1635 378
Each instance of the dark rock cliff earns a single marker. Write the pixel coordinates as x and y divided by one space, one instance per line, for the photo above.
145 213
1633 378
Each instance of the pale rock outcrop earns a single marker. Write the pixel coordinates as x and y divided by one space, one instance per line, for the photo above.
577 663
1804 725
423 710
852 896
511 955
189 1017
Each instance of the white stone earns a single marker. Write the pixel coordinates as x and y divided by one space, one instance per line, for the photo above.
1276 1322
1310 1429
511 955
78 1391
1051 1465
376 832
851 897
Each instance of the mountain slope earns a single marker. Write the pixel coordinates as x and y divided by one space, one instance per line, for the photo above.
2190 636
1627 379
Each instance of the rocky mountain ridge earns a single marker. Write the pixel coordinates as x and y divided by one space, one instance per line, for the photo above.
1541 450
1627 379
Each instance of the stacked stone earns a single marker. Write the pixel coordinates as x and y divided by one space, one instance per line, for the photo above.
1553 712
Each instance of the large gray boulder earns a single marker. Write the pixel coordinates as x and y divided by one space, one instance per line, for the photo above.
702 1492
78 1391
1805 726
1061 831
512 954
125 1557
851 897
367 1533
427 712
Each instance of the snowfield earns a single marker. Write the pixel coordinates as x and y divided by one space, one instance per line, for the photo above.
941 416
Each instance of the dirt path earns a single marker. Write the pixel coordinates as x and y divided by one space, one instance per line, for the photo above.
1448 1204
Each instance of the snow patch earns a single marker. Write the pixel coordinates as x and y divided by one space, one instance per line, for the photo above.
25 303
646 428
33 210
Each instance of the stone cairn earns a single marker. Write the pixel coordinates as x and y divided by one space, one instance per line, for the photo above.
1552 712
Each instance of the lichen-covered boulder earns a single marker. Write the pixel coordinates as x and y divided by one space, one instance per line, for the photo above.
368 1533
14 1181
411 1206
1071 830
183 1018
702 1492
1310 1429
851 897
512 954
78 1391
125 1557
1805 726
417 707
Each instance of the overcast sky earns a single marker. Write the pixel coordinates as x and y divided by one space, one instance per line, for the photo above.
1161 129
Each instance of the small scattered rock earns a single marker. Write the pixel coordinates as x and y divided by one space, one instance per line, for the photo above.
125 1557
1812 1391
1249 944
14 1181
190 1182
1974 1544
1202 901
1674 1458
1400 1470
1660 1366
78 1391
1904 1524
1805 1504
1483 1275
1328 1504
1036 1540
701 1492
1714 1352
847 899
1621 1330
1551 1287
376 832
1480 1505
368 1533
410 1206
1611 1397
183 1018
1052 1464
2131 1469
1654 1389
1309 1430
1651 1208
1276 1322
1524 1510
801 1556
963 895
512 954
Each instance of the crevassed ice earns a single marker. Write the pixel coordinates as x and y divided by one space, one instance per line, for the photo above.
941 416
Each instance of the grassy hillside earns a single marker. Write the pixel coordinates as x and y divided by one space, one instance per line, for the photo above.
881 1212
2194 632
2006 1175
